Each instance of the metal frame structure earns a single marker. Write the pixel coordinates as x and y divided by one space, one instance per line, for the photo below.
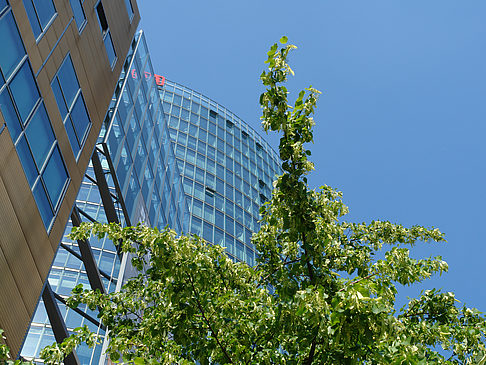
86 253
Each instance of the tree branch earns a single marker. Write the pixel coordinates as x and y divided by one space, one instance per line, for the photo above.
310 357
309 266
283 264
357 281
207 321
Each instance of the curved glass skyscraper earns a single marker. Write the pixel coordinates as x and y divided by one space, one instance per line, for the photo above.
227 168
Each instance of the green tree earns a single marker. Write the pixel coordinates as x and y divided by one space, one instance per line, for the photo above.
323 291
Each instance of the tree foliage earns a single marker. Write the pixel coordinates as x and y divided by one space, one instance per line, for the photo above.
323 291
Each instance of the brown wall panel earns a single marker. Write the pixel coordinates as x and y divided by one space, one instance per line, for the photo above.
17 253
20 217
26 249
14 317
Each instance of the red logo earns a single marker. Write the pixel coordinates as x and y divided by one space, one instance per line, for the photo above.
159 80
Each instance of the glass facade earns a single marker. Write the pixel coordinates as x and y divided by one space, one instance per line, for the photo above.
68 270
137 139
29 125
227 168
143 180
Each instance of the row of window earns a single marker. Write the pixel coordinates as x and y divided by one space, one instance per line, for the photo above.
142 156
30 128
224 117
199 140
206 130
234 247
221 164
211 185
207 143
213 212
71 105
226 168
23 108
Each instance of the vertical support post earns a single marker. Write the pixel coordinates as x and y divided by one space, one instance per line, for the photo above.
57 323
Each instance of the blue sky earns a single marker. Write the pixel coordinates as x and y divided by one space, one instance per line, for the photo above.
401 121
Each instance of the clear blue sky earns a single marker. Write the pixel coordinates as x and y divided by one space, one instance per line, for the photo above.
401 124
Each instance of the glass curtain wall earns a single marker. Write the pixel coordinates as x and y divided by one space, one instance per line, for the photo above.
144 183
228 168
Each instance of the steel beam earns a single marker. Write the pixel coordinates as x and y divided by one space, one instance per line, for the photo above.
106 153
108 204
87 257
57 323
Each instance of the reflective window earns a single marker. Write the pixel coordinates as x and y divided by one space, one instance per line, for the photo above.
24 91
36 146
26 116
110 49
105 33
78 12
40 131
12 48
55 176
71 105
40 13
27 160
9 115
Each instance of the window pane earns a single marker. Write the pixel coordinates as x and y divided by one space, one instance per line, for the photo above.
12 48
55 176
32 340
68 81
10 115
72 136
40 136
27 160
78 12
24 91
80 119
34 22
43 204
59 98
208 232
101 18
3 4
45 11
110 50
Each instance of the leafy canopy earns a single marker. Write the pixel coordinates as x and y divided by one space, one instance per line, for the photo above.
320 293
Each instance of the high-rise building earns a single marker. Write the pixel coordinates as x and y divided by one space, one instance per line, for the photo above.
88 132
132 178
59 65
227 167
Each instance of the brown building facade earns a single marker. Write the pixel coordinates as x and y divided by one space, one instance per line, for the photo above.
60 62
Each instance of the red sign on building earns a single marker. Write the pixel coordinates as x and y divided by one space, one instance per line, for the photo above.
159 80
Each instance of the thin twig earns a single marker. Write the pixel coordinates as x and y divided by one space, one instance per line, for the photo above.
357 281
